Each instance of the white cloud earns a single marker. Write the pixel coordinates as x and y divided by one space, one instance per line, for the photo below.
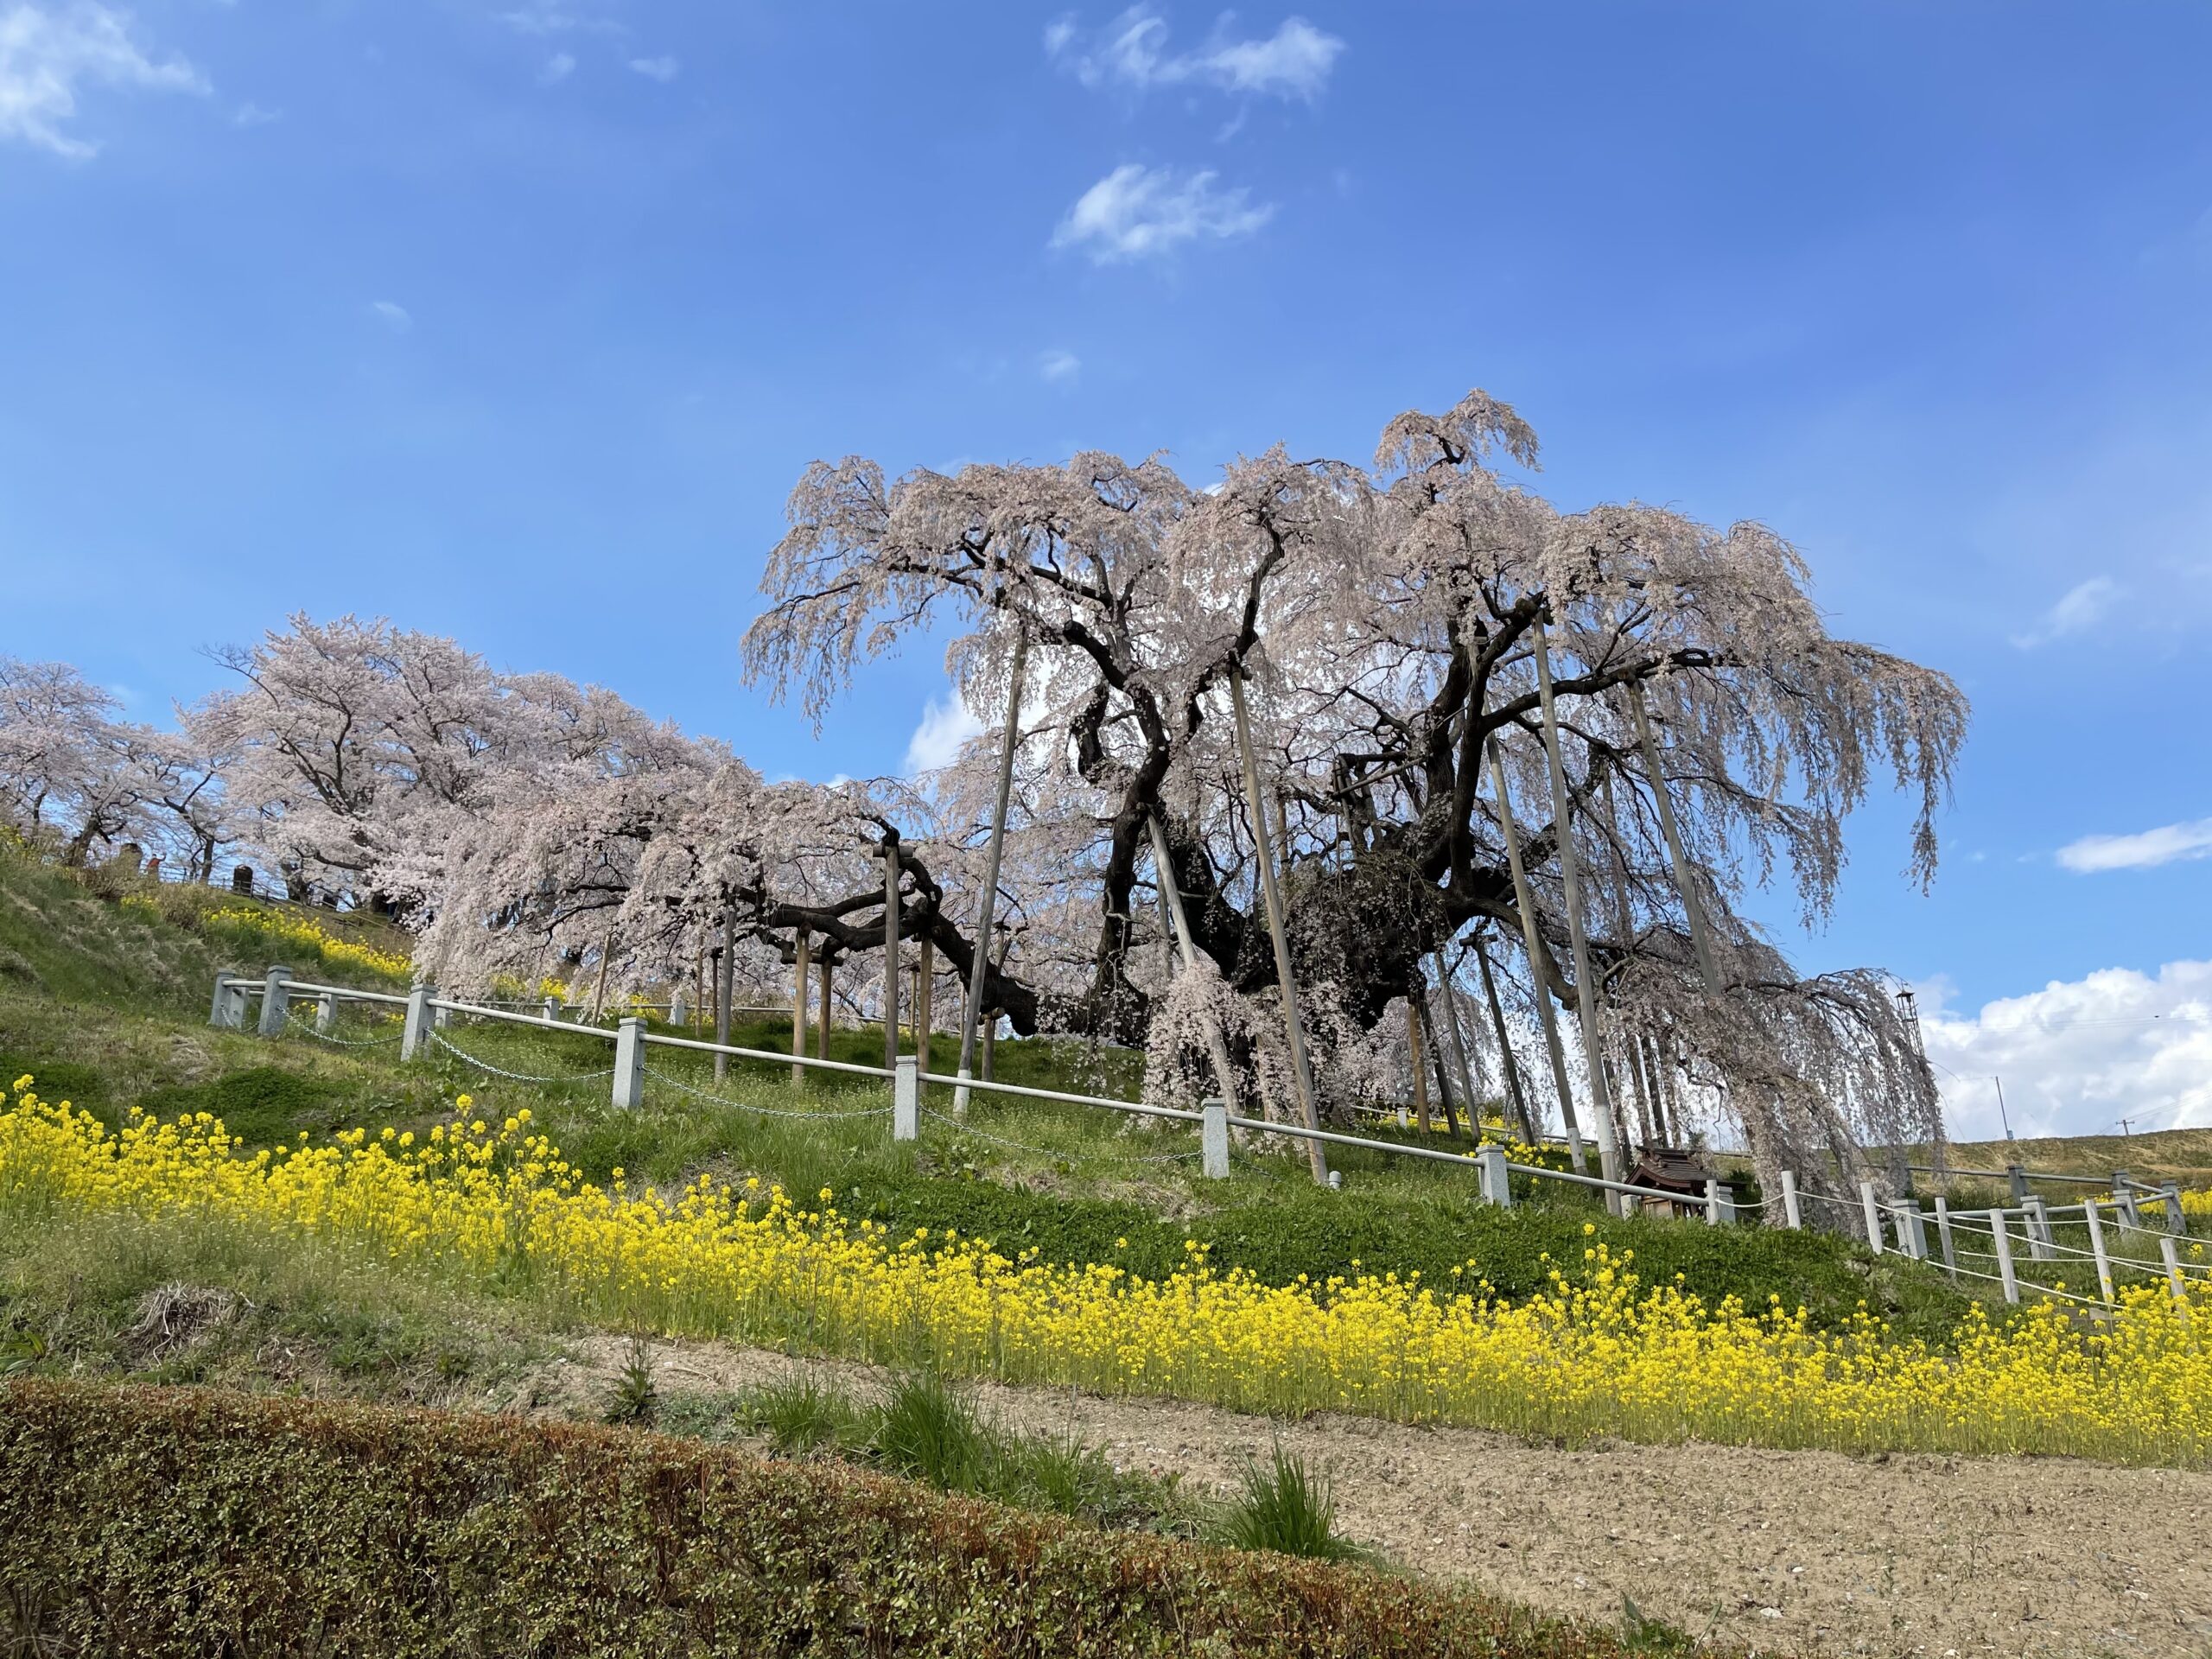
1136 212
394 316
2082 606
1295 61
554 17
2142 851
1060 365
47 52
557 68
946 724
663 70
2077 1056
252 115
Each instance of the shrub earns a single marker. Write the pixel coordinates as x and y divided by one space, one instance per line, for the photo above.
140 1521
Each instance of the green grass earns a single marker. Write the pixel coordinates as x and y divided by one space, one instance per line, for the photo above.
1289 1508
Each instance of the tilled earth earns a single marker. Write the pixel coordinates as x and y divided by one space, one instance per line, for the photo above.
1787 1552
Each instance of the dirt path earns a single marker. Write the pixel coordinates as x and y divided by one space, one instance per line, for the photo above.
1784 1551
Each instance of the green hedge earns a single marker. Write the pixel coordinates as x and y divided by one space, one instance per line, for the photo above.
175 1521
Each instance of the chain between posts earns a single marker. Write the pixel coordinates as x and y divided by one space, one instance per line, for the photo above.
763 1111
444 1042
343 1042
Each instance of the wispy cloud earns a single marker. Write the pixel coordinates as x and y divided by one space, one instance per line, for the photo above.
663 70
1060 365
557 68
946 724
2145 850
1138 212
2081 607
1294 62
252 115
557 17
393 315
49 52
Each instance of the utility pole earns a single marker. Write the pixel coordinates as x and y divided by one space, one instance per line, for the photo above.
2002 1115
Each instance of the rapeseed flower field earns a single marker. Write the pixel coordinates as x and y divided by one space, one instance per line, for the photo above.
495 1207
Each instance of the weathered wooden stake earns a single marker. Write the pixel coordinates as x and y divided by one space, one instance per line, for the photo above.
1301 1071
1508 1062
1873 1216
925 999
1008 743
2003 1244
725 976
1447 987
802 959
2097 1247
890 952
1420 1075
1163 869
1943 1236
827 969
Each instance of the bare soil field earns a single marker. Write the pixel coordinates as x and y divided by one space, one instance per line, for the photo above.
1784 1552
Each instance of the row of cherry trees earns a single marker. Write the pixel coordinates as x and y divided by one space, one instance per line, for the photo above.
1515 770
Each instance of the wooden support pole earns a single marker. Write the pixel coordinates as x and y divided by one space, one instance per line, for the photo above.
1524 901
1791 1215
1009 741
890 952
925 999
802 959
726 975
1446 987
822 1036
1508 1062
1301 1070
1943 1236
1586 983
1420 1074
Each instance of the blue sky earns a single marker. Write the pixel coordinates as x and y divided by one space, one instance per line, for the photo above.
517 320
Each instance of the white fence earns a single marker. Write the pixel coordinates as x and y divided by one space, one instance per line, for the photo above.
1888 1224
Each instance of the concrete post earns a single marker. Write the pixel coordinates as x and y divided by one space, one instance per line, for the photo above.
2097 1247
679 1011
1873 1216
2173 1267
2175 1222
1790 1212
1213 1140
222 1012
276 1000
2123 1196
1916 1231
552 1008
416 1032
2037 1220
2018 1177
630 1062
1498 1184
326 1011
906 1098
2004 1242
1943 1236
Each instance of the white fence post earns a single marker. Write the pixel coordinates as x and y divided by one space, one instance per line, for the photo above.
1497 1186
2035 1217
906 1098
1916 1231
2018 1177
2173 1267
1213 1140
2097 1247
276 1001
228 1011
417 1031
1943 1236
2123 1196
679 1009
552 1008
1790 1210
630 1062
326 1011
2004 1242
1873 1216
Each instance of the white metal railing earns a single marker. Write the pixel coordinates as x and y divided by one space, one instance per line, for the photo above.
425 1012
